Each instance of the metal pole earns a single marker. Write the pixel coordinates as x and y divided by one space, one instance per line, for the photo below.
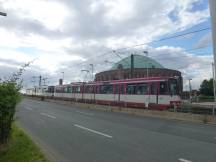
92 68
190 88
213 72
212 7
132 65
40 81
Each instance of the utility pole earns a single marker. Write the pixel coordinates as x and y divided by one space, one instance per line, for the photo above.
33 81
132 65
190 88
92 69
40 81
44 81
212 7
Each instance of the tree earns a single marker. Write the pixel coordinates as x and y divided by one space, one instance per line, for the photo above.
206 88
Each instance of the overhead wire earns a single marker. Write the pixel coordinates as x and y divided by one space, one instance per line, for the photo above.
150 42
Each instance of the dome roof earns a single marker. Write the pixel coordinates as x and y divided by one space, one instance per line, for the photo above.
139 62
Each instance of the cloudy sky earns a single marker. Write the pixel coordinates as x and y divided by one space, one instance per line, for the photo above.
68 35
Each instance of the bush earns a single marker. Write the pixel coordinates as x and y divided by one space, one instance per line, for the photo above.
9 97
206 98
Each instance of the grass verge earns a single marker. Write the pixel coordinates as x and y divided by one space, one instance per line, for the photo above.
20 148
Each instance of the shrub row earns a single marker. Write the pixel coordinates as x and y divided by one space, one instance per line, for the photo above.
9 97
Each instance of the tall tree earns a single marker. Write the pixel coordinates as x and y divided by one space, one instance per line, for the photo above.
206 88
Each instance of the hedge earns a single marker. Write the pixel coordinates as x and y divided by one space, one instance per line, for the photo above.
9 97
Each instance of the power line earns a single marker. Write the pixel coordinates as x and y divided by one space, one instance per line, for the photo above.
159 40
165 38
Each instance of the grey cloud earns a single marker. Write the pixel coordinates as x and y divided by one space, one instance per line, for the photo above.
23 26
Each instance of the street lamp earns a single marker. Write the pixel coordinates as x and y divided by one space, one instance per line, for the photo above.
3 14
106 61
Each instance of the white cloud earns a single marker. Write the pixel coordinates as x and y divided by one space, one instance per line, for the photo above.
63 34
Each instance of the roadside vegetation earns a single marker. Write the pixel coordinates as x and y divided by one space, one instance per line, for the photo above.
15 146
206 91
9 98
20 148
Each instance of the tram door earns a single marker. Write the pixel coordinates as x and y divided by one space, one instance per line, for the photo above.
154 93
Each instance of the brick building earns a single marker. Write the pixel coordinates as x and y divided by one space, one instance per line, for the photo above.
142 67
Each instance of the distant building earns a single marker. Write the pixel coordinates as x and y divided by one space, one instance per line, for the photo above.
137 66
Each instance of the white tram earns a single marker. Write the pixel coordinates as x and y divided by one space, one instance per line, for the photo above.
153 93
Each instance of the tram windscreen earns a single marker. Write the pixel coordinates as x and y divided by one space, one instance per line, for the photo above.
163 88
106 89
173 86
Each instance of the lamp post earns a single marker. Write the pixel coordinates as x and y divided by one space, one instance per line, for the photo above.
3 14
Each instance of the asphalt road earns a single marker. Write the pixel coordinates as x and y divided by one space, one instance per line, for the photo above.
72 134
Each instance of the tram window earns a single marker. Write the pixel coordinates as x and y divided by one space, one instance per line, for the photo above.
116 89
122 89
69 90
78 89
74 89
154 88
106 89
173 88
131 89
142 89
96 89
89 89
58 89
163 87
86 89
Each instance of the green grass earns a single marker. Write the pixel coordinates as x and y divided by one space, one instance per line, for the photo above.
20 148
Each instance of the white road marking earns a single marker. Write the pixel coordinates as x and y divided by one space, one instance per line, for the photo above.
28 108
184 160
93 131
47 115
85 113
